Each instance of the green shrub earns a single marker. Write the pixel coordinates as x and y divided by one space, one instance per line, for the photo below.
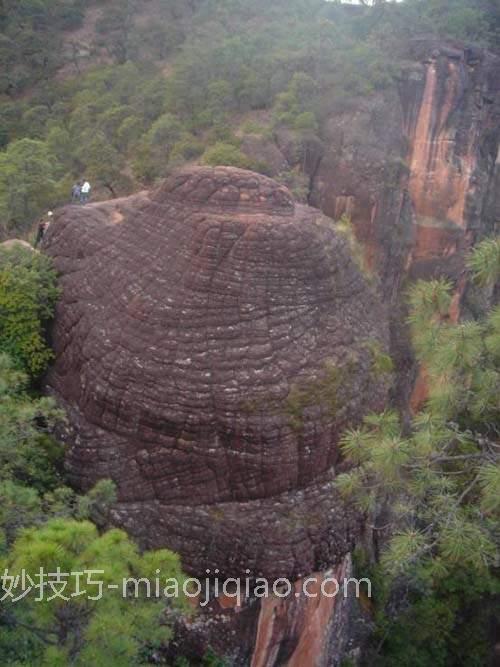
296 181
28 294
28 456
187 148
252 127
72 628
129 132
306 121
222 133
345 228
227 155
296 106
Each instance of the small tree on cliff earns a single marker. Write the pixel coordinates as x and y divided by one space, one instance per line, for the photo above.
434 488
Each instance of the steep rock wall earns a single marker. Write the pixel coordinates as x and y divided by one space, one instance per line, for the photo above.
416 168
417 171
320 628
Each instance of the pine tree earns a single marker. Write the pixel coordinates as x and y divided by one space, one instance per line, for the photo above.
433 489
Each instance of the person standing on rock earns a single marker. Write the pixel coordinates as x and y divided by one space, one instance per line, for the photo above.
85 192
42 228
76 192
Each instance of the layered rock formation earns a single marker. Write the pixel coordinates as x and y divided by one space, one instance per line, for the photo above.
212 342
322 627
416 168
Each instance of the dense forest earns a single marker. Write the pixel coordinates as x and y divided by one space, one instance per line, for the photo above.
122 92
152 85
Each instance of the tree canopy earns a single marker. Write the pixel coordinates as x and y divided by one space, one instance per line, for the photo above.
150 89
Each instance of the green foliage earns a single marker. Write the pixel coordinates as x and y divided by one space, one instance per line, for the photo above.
472 20
30 39
252 127
345 228
37 530
129 132
323 392
485 262
103 163
225 155
461 360
31 483
95 505
27 183
28 294
433 488
169 92
297 182
60 146
25 454
446 627
187 148
295 106
156 147
123 627
382 362
116 27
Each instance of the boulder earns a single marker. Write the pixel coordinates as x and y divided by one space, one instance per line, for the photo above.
212 342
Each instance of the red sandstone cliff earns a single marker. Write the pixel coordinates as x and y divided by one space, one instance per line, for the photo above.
417 171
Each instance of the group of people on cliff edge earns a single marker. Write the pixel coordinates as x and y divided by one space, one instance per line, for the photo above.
80 192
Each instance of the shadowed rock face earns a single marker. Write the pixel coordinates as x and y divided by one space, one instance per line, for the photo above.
417 169
213 340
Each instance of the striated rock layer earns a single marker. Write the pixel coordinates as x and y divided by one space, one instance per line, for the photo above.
320 628
416 168
213 340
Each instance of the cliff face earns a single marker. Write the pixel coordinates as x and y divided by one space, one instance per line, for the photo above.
315 629
212 342
417 171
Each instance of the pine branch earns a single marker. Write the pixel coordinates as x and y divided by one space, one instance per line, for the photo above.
466 491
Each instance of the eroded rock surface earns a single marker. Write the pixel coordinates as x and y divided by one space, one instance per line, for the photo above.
212 342
416 168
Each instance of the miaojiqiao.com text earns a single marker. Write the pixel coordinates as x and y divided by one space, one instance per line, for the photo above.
47 586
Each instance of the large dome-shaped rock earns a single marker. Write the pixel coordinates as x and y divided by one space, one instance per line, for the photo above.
212 341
